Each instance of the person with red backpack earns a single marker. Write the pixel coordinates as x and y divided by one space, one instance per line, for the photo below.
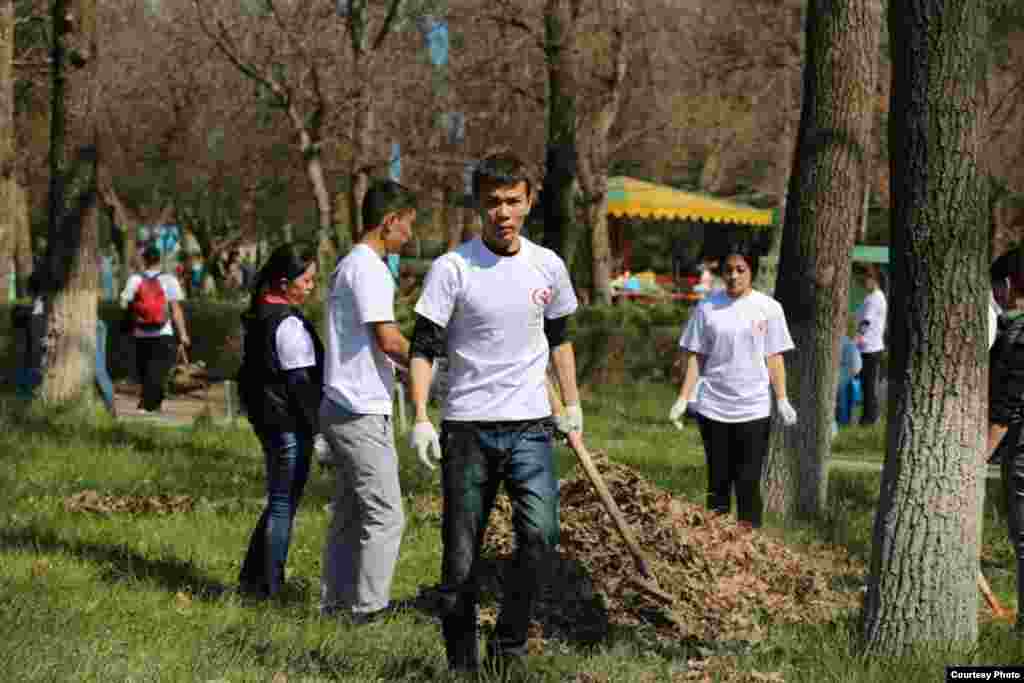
152 301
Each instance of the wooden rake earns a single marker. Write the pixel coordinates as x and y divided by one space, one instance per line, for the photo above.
646 580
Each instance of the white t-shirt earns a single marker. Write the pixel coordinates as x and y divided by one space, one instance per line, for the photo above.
872 311
494 308
172 290
294 345
733 337
994 311
358 376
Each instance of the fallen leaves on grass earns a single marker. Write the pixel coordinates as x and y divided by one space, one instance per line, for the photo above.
95 502
729 582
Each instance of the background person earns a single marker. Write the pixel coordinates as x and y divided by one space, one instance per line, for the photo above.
503 303
363 346
280 385
735 340
153 300
870 340
1006 407
850 365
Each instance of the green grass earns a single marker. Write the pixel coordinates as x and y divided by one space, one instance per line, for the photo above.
151 597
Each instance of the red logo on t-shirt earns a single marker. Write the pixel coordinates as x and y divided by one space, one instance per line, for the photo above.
760 328
541 297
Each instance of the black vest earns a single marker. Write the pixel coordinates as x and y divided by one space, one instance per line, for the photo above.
1006 372
261 381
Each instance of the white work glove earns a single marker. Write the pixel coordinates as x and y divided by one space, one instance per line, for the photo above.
424 438
322 450
787 412
675 415
571 420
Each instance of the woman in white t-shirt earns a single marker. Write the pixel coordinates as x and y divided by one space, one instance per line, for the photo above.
734 341
870 340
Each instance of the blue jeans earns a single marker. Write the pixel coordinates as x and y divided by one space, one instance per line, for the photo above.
477 458
287 457
103 382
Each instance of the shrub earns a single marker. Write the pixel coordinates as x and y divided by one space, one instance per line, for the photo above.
612 343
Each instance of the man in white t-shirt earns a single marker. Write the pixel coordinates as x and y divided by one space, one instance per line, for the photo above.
497 306
871 318
153 299
363 346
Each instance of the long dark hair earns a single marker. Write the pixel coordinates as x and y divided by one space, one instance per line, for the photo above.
287 262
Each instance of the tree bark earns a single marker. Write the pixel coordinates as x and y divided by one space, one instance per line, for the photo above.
72 292
309 145
825 207
921 587
561 230
8 221
24 263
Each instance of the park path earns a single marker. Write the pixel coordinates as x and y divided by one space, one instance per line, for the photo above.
178 410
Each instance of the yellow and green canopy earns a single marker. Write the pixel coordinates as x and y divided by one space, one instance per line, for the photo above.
632 198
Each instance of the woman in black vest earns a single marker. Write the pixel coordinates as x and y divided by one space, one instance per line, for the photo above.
1006 404
280 385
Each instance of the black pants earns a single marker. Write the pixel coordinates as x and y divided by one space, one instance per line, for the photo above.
869 383
1011 457
735 456
154 357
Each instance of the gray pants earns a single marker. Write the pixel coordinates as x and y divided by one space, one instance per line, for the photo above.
362 542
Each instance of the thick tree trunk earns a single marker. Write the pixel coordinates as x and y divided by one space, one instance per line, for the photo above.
8 222
825 206
24 261
73 290
561 230
600 246
924 560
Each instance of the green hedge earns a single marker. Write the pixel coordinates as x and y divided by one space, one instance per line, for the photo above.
625 342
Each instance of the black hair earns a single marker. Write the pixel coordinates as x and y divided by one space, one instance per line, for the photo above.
501 169
34 284
151 255
750 252
384 197
287 262
1006 265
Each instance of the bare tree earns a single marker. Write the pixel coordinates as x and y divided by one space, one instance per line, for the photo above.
294 85
825 206
924 558
593 149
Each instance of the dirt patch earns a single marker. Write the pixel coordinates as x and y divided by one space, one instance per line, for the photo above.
180 407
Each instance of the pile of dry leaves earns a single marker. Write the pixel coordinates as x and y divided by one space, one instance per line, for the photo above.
729 582
92 501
